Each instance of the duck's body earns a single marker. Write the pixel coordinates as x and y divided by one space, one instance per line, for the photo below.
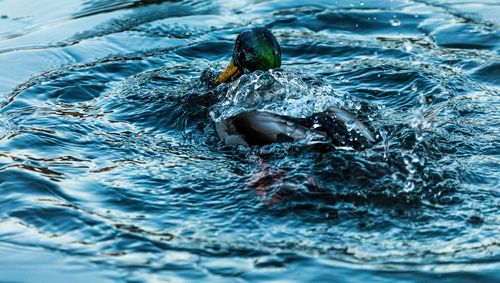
260 128
258 49
335 126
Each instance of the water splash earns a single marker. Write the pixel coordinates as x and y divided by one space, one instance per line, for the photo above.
276 91
113 160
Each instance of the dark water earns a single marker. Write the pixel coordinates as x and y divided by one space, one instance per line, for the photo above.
110 168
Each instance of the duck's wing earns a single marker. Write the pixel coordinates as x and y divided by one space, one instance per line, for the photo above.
260 128
343 128
335 126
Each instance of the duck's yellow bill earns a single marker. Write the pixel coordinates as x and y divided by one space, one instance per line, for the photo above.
231 72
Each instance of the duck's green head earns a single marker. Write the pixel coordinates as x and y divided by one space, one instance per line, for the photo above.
255 49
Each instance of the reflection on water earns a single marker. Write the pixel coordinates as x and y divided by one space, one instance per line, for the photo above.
110 168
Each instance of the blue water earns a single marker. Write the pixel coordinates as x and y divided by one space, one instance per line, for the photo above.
111 170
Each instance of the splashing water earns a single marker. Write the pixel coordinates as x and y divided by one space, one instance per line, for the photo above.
276 91
110 168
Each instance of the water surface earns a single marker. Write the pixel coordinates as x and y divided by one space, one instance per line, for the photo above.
110 168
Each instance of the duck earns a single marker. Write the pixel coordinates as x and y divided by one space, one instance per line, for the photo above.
257 49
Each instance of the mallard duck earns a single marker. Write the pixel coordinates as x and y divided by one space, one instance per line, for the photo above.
255 49
258 49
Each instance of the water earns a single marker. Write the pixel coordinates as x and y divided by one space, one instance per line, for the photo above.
110 168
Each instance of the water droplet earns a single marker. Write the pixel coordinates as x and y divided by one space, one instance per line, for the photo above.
421 99
409 186
419 137
408 46
395 22
395 176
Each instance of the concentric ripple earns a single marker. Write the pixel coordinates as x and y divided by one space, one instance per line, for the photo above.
110 168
